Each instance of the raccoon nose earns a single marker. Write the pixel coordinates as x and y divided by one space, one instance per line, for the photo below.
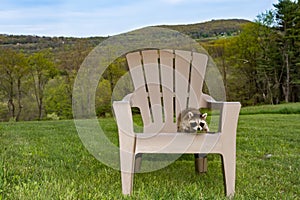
202 124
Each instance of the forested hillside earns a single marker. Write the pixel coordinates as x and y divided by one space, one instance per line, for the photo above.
30 43
203 30
214 28
259 62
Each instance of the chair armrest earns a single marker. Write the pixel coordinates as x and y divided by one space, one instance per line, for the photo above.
205 100
122 111
128 97
229 114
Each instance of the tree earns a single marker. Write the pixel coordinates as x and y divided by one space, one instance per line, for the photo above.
56 98
69 62
42 70
220 50
115 71
270 64
246 52
14 68
103 98
287 17
266 56
21 71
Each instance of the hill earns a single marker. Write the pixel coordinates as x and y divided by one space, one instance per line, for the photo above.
213 28
31 43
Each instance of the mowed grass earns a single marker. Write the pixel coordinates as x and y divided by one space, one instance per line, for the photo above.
47 160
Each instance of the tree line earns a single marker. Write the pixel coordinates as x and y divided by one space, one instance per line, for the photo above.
260 65
210 29
38 85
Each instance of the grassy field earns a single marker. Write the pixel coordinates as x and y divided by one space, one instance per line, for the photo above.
46 160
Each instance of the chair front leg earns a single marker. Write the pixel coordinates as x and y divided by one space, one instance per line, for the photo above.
127 159
229 167
127 140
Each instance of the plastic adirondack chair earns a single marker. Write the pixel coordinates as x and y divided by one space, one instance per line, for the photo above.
165 83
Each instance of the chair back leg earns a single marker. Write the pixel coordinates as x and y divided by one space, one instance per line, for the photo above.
200 163
138 162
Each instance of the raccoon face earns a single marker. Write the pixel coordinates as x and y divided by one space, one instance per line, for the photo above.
197 122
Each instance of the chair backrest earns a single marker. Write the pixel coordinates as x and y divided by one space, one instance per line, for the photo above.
166 82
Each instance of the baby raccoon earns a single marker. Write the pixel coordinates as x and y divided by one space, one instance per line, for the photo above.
192 121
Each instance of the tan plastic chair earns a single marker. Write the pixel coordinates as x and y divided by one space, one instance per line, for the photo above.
167 82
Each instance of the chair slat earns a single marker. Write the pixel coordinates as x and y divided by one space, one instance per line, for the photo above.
152 75
198 70
167 81
134 61
182 72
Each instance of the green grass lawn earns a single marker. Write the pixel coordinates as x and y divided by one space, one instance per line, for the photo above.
46 160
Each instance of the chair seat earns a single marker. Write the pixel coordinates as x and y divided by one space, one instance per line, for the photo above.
177 143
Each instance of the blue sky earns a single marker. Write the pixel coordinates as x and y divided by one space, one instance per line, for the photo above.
84 18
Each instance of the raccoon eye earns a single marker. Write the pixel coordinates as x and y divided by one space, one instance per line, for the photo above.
202 124
193 124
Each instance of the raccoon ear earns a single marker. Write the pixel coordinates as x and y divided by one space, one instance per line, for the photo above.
203 116
190 114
